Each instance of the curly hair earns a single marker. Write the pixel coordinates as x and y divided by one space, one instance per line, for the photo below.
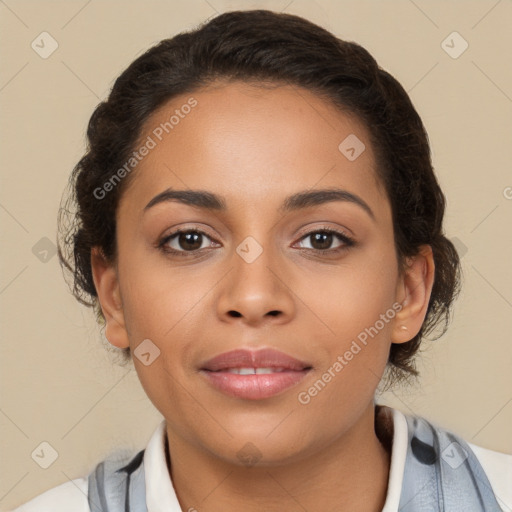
262 46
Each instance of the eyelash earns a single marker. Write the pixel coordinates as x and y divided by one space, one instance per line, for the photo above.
342 236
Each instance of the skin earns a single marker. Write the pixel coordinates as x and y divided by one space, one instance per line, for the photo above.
256 146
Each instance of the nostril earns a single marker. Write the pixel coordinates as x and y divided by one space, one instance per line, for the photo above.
235 314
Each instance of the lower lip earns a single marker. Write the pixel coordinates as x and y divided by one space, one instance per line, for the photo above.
254 387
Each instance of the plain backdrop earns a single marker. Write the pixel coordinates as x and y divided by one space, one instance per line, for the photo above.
59 384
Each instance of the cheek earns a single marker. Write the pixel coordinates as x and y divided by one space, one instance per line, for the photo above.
354 335
166 305
168 313
158 299
353 346
351 297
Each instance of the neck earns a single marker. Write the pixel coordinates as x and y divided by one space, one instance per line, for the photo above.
349 474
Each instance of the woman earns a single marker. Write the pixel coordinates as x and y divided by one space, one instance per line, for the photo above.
259 228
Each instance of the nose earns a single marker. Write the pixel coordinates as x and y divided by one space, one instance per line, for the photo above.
256 291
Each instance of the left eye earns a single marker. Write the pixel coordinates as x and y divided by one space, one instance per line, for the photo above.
323 240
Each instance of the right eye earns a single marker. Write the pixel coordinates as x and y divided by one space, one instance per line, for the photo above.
183 241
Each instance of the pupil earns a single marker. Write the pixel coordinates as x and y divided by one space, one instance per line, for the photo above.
193 239
325 240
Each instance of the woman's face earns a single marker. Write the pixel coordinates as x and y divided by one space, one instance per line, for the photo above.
259 273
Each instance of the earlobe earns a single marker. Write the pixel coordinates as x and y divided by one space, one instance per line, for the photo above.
107 287
413 294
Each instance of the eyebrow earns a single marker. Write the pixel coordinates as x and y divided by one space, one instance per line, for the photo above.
298 201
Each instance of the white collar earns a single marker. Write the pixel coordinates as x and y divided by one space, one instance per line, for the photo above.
398 454
161 496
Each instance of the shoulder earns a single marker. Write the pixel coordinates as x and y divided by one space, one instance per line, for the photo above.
431 444
498 468
68 496
453 450
74 494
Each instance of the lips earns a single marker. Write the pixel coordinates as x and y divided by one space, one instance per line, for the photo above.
254 375
264 358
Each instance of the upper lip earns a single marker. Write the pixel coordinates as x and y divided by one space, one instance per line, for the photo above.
263 358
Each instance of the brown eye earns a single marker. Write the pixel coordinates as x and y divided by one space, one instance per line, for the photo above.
322 240
185 241
190 241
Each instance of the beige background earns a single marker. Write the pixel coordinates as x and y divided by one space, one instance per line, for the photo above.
58 383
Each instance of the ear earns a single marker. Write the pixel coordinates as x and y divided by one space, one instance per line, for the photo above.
413 294
107 287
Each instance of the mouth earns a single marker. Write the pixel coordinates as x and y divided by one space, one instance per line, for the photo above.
254 371
254 375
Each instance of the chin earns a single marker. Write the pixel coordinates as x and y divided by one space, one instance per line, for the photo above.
266 446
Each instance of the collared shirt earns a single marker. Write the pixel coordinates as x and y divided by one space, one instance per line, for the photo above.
161 496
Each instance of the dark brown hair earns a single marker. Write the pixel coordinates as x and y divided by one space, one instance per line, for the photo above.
262 46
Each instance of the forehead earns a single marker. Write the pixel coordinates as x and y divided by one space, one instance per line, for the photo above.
254 144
